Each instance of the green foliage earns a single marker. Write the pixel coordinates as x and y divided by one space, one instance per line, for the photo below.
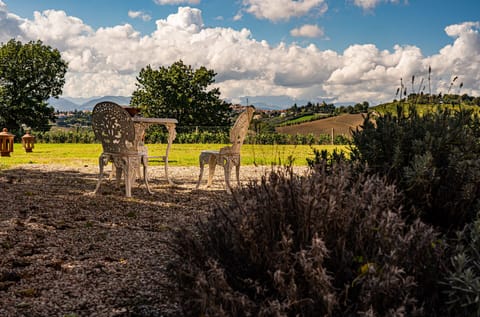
204 137
180 92
434 159
463 281
304 139
327 158
85 135
66 136
29 75
329 243
357 108
75 118
425 103
311 108
303 118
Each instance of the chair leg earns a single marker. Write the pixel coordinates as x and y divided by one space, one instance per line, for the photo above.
202 165
237 170
138 172
118 175
212 163
100 175
129 172
228 169
145 177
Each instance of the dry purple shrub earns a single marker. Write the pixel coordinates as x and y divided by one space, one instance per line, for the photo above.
328 243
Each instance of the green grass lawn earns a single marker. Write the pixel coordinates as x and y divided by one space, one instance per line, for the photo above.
180 154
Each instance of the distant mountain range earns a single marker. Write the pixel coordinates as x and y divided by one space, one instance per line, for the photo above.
71 104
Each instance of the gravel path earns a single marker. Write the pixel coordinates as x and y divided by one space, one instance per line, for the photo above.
67 252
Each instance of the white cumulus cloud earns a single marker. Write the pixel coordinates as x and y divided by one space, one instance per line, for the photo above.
371 4
308 30
163 2
462 58
9 23
106 61
186 19
277 10
139 15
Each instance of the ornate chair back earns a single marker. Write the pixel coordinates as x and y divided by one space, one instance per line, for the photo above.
114 128
240 129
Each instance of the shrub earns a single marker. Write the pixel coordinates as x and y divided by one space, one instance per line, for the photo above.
328 243
463 280
326 158
81 136
433 158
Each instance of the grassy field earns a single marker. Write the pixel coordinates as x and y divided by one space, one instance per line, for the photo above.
180 154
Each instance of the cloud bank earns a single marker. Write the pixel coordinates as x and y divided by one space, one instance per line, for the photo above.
106 61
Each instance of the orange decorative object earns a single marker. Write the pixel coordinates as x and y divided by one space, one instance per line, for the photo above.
28 142
6 142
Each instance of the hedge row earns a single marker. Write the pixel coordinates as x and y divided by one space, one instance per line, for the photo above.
157 136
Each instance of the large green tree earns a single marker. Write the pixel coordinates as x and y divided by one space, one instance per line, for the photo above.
30 74
181 92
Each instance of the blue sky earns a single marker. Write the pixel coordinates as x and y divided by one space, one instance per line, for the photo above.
338 51
416 22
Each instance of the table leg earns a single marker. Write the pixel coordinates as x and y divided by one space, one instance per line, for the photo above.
172 134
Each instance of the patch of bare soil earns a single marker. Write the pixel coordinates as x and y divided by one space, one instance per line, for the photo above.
341 125
67 252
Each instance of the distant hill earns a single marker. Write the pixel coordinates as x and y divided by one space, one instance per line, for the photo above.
64 104
260 102
270 102
341 124
121 100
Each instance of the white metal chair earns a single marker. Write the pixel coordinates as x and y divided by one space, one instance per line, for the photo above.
228 156
114 128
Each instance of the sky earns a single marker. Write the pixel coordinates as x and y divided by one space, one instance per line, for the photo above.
278 52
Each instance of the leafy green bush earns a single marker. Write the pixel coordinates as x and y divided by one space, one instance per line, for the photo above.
327 159
463 280
86 135
433 158
328 243
82 136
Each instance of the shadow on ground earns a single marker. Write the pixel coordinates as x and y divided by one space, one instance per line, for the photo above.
67 251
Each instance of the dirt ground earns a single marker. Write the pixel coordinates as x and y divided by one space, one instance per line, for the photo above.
341 125
67 252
